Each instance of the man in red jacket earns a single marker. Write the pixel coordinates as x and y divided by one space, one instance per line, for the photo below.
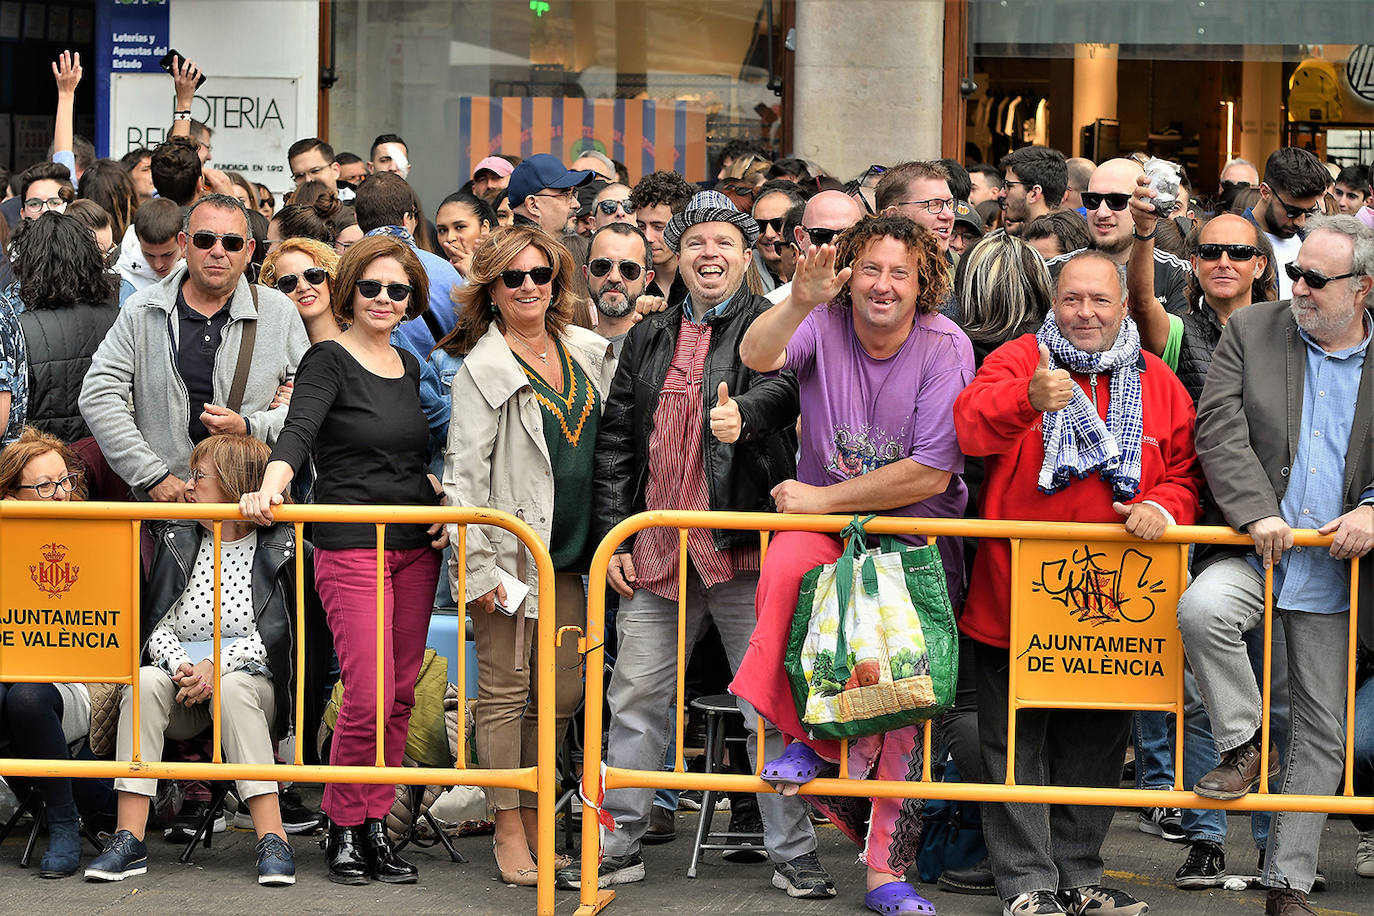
1077 424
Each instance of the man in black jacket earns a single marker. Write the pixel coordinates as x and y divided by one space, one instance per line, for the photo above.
687 426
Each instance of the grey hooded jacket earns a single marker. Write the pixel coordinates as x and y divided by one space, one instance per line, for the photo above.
133 398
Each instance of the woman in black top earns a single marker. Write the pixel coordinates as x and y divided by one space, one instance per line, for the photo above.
356 410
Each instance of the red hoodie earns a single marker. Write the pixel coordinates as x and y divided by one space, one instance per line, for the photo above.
994 418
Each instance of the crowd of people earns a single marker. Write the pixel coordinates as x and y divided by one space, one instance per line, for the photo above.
1044 338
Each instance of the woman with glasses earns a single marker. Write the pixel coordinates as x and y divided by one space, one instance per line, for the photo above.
51 721
461 223
303 269
69 300
527 404
176 684
356 412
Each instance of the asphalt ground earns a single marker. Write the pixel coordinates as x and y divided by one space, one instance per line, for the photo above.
222 880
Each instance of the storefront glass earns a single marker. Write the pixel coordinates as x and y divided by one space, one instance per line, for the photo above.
652 83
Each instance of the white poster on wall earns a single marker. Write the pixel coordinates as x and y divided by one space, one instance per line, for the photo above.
253 120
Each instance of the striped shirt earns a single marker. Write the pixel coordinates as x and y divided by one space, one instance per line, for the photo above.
677 477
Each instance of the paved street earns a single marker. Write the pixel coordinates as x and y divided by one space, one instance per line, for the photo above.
222 881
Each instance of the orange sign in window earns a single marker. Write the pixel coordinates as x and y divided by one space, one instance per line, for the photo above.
1097 623
67 608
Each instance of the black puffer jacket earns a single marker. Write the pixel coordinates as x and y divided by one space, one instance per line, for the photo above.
274 599
1201 332
60 344
739 476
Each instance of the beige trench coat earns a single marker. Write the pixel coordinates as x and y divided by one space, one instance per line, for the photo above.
497 456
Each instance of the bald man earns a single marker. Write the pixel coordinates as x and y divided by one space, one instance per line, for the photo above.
827 215
1109 225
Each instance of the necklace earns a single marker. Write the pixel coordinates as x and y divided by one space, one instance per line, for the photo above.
543 357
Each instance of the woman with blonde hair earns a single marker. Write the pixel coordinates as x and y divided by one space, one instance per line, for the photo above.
303 269
527 403
256 594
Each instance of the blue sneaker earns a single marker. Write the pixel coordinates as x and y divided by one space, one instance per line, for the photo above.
124 857
276 864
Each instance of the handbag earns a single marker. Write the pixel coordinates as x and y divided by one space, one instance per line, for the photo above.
873 645
952 835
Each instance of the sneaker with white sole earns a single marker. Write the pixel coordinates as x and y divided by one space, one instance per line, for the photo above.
1034 903
1162 822
124 856
1364 854
626 869
1096 900
804 877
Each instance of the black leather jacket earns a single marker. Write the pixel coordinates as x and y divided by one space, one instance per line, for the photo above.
739 476
274 597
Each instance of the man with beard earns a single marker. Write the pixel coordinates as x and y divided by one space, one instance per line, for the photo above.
1110 228
1035 182
1292 189
1285 441
617 272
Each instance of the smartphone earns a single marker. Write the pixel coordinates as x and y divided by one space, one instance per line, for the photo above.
166 64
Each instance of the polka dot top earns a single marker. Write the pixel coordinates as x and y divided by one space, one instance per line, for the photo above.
191 619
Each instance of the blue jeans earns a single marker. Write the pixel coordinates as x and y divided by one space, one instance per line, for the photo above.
1364 750
1200 752
1154 756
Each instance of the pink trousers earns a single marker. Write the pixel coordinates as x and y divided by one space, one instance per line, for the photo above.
347 583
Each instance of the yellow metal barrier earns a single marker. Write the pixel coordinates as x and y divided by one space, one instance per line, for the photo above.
1021 535
81 560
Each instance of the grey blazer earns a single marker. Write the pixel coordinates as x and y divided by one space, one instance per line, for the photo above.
1248 425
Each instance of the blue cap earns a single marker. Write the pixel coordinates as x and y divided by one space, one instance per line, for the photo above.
538 172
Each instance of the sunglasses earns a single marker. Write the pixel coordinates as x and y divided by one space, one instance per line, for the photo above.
1311 277
204 239
313 275
774 224
1295 212
1092 200
821 237
48 488
1213 252
514 279
371 289
1229 185
599 267
738 190
608 207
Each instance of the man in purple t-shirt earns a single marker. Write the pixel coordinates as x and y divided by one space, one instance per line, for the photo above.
878 368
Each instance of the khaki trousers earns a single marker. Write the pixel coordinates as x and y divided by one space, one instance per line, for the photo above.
247 705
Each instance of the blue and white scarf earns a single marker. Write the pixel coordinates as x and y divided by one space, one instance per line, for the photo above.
1077 442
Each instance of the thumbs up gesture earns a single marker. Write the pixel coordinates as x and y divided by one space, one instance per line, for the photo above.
1050 389
726 423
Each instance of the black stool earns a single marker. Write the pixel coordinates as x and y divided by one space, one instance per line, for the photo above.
716 708
32 804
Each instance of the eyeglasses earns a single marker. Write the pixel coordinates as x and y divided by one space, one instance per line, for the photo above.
821 237
514 279
1007 183
775 224
566 194
931 204
39 204
1292 211
309 174
1311 277
48 488
313 275
600 267
609 207
1213 252
1092 200
371 289
198 475
204 239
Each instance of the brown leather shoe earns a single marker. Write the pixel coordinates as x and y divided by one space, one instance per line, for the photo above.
1237 774
1284 901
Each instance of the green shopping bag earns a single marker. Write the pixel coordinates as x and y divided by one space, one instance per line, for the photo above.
873 645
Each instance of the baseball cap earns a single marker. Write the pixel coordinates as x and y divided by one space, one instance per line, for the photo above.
541 171
964 213
494 164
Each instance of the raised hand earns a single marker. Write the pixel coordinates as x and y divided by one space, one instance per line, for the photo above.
816 281
67 71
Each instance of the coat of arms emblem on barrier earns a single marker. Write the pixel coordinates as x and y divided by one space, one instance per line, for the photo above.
53 575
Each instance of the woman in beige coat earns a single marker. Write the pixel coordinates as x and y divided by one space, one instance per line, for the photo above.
526 407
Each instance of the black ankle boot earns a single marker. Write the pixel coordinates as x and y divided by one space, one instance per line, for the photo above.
387 866
346 851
